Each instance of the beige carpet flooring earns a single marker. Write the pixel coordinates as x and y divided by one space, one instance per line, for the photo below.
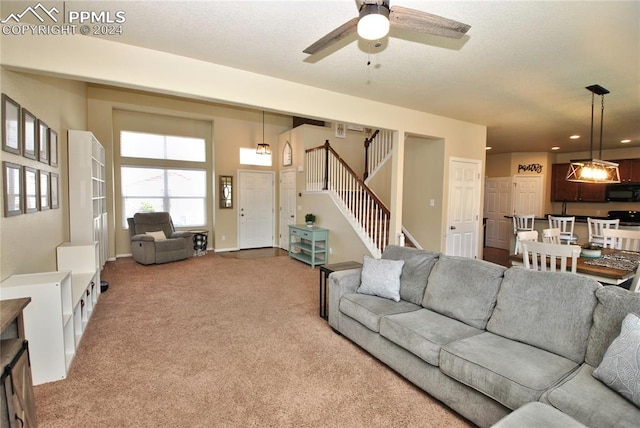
225 342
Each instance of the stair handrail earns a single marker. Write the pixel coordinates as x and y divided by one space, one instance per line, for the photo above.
381 237
367 143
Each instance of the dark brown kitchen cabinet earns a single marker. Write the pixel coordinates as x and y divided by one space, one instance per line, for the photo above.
563 190
629 170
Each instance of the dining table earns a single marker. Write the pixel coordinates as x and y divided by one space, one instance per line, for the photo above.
613 267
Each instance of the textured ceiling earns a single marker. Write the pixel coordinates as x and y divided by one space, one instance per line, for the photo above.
521 70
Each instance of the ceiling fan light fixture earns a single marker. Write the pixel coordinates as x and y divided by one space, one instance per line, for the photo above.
373 23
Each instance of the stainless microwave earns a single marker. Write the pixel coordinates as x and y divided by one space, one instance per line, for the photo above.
623 192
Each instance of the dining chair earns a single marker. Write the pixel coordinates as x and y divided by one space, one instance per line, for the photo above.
551 236
526 235
543 256
522 223
565 224
596 226
622 239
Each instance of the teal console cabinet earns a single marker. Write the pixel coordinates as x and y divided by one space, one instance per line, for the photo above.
309 244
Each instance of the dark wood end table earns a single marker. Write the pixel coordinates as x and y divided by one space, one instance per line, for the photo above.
325 271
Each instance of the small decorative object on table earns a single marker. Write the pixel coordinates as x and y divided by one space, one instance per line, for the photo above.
310 219
591 251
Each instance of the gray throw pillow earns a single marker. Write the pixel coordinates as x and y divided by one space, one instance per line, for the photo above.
620 366
381 277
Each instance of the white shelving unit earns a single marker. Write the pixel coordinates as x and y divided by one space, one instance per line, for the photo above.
48 321
83 260
61 305
88 191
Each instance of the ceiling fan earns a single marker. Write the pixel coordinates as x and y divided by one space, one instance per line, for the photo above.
375 18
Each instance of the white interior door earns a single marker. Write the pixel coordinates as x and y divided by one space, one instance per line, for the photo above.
287 205
497 205
256 196
463 221
528 195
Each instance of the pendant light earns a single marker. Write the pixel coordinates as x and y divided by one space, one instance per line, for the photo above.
263 148
594 170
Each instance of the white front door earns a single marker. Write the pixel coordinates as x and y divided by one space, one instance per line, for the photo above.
287 205
256 195
463 221
528 195
497 205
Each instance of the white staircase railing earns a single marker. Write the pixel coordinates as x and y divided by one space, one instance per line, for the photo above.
377 149
326 170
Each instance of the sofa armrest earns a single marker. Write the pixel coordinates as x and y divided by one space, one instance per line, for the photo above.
142 237
179 234
340 283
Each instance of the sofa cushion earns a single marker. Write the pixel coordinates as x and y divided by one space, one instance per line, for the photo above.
424 332
381 278
620 366
589 401
614 303
549 310
176 244
149 222
368 310
463 289
537 414
157 235
416 270
510 372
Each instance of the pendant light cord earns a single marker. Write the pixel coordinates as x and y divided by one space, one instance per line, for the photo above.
601 125
593 95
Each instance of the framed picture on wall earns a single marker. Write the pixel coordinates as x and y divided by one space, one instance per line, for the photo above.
44 191
30 190
29 135
53 147
226 191
287 155
43 142
55 188
12 189
10 125
341 130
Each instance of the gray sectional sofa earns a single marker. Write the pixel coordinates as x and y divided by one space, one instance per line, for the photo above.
486 340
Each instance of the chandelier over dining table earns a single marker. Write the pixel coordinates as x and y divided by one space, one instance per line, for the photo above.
594 170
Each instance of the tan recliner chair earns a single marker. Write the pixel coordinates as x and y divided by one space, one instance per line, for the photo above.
155 240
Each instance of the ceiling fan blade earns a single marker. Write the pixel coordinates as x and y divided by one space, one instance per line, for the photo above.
423 22
334 36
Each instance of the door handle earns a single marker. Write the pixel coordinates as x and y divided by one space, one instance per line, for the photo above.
452 227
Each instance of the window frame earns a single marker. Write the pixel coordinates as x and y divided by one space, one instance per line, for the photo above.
165 165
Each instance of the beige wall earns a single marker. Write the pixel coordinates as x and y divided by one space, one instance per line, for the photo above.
424 180
109 62
498 165
225 129
29 241
380 182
